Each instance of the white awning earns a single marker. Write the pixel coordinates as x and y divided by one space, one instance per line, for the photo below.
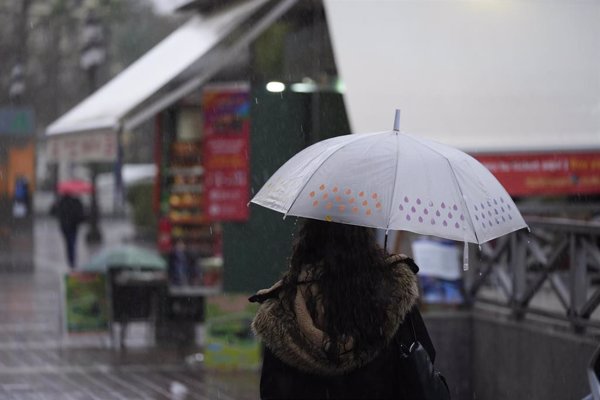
113 105
491 76
173 69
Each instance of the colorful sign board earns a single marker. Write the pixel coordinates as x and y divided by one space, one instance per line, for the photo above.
563 173
88 147
86 302
230 344
17 121
226 152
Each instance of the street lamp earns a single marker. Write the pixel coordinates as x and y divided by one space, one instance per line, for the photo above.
16 89
93 54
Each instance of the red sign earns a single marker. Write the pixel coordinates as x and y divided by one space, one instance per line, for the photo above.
226 153
164 235
546 173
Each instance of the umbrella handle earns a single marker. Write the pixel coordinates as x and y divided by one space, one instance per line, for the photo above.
397 121
466 256
385 242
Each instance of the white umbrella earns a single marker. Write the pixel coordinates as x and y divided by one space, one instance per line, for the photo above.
393 180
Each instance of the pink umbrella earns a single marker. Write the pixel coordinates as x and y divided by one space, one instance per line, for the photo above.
74 186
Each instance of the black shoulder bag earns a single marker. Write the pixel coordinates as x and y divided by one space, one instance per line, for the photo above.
423 380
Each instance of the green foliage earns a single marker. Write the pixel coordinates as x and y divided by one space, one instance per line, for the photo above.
140 198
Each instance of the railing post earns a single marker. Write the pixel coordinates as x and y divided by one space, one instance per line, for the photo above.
518 264
578 282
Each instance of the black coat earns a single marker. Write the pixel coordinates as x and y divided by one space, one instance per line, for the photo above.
294 364
69 211
379 379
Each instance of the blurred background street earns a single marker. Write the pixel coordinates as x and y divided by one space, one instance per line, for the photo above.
38 360
137 132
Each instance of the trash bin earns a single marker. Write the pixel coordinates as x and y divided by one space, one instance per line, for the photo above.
181 312
135 295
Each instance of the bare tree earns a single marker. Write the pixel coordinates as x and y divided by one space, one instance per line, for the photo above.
45 35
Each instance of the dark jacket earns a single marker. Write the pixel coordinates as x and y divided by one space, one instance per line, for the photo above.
296 367
69 211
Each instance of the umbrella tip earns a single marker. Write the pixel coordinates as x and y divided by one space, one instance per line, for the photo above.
397 121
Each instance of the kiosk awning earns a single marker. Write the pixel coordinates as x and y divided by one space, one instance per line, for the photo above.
171 70
491 76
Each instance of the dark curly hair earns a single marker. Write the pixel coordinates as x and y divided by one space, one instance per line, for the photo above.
354 284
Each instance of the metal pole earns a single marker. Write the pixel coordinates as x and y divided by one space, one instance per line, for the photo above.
118 199
94 236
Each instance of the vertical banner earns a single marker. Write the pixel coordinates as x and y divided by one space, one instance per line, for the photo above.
226 148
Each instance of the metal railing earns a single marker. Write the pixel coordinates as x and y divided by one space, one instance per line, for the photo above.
557 263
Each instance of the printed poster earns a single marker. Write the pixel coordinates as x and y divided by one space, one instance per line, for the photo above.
86 302
226 152
230 344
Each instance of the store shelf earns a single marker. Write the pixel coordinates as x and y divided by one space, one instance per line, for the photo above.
186 171
189 206
187 188
183 220
183 204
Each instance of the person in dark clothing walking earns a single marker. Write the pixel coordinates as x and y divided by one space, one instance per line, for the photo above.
335 325
69 211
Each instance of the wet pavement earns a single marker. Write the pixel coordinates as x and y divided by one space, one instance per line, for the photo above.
38 361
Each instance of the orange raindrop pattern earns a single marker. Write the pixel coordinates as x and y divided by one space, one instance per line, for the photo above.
345 200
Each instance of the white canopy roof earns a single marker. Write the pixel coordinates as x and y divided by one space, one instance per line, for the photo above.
117 103
491 75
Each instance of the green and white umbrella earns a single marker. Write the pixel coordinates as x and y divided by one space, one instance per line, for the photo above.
125 256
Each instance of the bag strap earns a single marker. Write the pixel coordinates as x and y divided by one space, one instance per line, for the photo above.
412 326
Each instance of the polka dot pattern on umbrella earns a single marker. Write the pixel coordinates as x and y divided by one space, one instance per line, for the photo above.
487 214
429 212
493 212
345 200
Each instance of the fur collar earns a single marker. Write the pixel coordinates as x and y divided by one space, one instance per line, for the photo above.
296 339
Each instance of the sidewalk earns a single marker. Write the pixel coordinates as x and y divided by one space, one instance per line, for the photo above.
37 363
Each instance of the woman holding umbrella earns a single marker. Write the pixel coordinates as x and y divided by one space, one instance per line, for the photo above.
341 322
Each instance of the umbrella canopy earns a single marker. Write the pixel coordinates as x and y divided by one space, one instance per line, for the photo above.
393 180
74 186
126 256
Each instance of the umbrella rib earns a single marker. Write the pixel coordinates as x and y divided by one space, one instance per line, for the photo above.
315 171
392 202
462 198
455 180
